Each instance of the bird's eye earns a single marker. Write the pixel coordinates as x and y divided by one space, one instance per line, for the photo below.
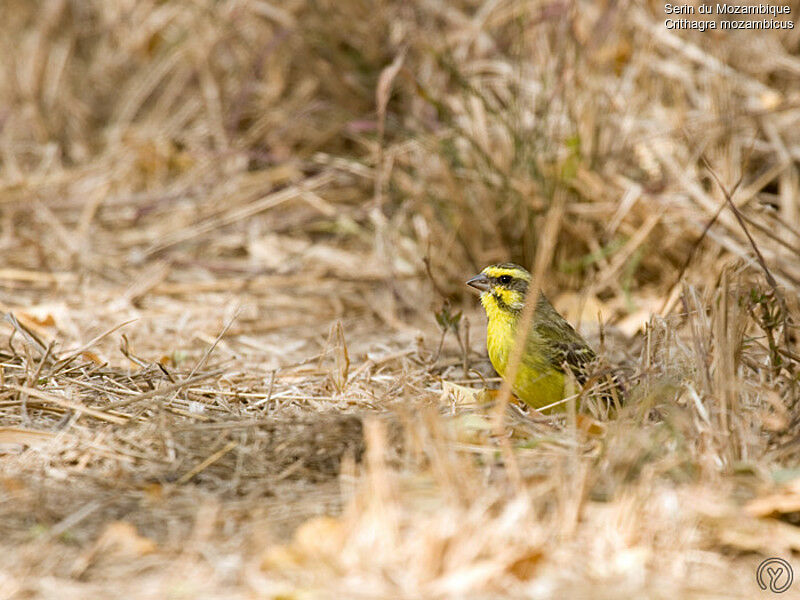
505 279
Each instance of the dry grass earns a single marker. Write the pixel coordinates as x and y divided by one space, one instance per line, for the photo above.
237 358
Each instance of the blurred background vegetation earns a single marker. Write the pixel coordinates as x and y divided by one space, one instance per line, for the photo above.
492 112
277 196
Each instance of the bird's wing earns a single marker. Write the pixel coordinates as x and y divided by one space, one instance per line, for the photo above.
564 346
559 341
558 344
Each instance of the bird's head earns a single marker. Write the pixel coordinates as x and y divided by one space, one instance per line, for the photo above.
502 286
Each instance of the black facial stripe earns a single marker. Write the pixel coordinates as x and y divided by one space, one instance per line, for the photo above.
502 303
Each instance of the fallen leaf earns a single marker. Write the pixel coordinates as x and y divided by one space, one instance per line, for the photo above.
16 488
770 100
24 437
45 321
472 428
119 541
279 558
782 502
319 536
153 491
121 538
579 308
317 539
590 425
758 535
89 355
384 88
524 568
463 395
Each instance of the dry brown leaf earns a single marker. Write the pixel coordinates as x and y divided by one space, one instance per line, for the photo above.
472 428
578 308
24 437
785 501
280 557
44 321
318 538
154 491
525 567
119 541
590 425
636 321
32 324
89 355
453 392
758 535
384 88
122 538
13 486
770 99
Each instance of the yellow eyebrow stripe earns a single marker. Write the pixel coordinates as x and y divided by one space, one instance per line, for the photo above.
498 271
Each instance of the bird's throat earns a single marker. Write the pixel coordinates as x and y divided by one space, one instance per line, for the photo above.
500 331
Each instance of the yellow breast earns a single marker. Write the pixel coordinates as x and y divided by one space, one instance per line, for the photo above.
499 338
536 383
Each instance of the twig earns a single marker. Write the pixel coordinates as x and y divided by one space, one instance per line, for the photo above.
32 381
63 362
165 390
207 462
767 273
76 406
29 335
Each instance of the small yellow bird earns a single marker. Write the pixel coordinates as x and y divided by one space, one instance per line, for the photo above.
551 346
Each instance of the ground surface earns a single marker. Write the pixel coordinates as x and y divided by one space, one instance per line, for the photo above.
237 358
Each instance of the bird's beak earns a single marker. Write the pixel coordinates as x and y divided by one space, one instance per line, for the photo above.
480 282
